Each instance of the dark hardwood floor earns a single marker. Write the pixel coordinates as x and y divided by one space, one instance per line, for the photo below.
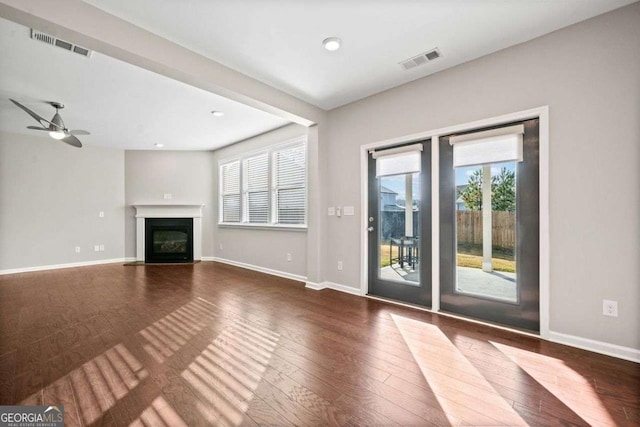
210 344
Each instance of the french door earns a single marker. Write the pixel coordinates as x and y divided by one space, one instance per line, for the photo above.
489 224
399 223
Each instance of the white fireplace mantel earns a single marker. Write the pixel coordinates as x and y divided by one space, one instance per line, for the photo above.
168 211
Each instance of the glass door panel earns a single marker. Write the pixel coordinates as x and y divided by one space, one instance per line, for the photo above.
486 231
399 231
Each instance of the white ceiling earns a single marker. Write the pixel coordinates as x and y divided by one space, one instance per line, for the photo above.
279 42
123 106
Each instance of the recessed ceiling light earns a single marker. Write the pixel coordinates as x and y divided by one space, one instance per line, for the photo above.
332 43
217 113
159 145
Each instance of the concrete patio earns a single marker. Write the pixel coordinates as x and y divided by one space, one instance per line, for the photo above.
473 281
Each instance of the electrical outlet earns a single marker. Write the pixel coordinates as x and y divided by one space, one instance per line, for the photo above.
610 308
168 196
96 248
339 265
101 214
220 246
101 248
289 257
77 249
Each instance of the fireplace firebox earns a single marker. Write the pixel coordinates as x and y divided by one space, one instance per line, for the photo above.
168 239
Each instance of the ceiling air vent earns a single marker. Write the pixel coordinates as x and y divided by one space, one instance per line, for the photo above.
46 38
421 59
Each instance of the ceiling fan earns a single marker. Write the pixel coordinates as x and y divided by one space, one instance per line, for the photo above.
55 127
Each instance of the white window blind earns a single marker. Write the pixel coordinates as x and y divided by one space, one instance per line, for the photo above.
492 146
398 160
230 176
265 188
257 188
290 185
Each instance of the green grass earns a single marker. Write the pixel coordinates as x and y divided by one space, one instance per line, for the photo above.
475 261
468 256
471 256
498 252
384 254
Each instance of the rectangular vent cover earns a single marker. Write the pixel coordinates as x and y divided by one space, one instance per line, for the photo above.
421 59
46 38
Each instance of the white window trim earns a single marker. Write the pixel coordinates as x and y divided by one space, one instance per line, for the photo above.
270 150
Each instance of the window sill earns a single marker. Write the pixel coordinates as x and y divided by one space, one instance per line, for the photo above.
289 227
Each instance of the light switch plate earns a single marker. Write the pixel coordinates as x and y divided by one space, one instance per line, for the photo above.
331 211
348 210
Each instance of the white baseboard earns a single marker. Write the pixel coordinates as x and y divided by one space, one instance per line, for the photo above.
343 288
207 258
68 265
334 286
620 352
278 273
614 350
315 286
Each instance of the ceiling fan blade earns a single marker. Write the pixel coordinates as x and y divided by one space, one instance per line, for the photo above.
79 132
72 140
37 128
31 113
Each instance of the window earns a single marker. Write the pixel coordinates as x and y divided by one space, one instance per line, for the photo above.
267 188
289 185
256 193
230 192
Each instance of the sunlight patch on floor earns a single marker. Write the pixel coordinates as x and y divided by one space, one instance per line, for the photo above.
168 335
99 383
462 392
159 414
227 372
564 383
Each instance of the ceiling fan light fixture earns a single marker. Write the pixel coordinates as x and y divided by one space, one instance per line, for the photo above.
217 113
57 134
332 43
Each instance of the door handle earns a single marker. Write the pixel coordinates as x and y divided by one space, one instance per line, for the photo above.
370 229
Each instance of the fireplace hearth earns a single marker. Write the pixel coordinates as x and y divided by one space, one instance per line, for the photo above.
168 240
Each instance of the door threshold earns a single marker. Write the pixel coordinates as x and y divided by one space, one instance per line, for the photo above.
455 316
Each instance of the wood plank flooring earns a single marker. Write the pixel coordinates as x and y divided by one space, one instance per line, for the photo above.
211 344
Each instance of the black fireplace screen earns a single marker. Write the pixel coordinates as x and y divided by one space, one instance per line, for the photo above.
169 239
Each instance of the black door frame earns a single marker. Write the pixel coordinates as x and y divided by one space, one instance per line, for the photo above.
419 295
525 314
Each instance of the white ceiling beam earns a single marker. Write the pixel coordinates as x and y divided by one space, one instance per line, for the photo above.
90 27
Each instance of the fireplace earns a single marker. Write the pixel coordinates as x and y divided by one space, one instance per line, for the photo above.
189 214
169 239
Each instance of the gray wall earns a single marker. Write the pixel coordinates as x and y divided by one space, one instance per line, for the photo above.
589 76
50 198
266 248
187 175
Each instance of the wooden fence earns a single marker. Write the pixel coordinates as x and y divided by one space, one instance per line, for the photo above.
503 228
